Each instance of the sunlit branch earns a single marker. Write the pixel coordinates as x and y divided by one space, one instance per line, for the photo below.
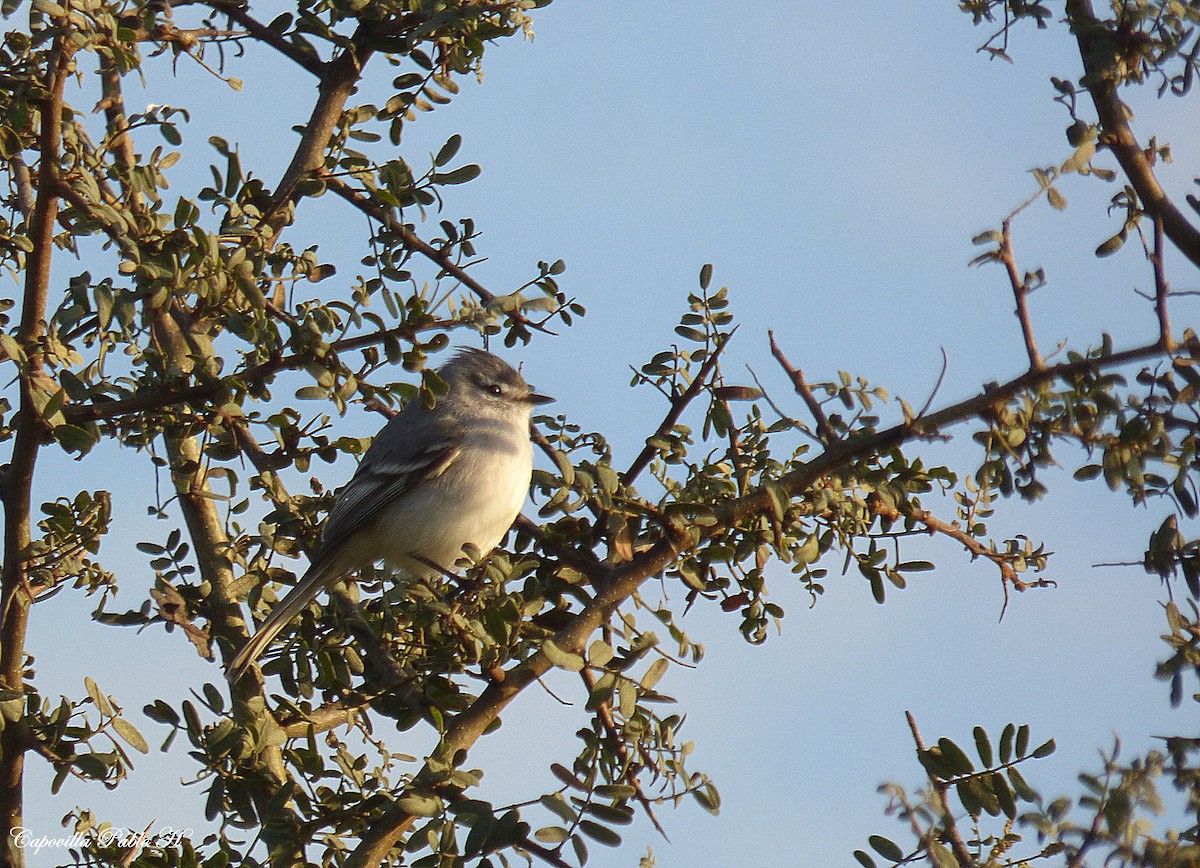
408 238
339 78
805 392
1162 288
679 403
1021 289
1101 80
17 483
266 35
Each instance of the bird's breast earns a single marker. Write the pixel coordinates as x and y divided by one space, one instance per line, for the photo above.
473 501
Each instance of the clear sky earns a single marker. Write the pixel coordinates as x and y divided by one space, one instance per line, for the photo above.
833 166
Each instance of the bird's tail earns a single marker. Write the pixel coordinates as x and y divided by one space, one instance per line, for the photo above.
285 610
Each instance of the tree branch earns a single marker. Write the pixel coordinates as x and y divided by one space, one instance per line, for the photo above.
408 238
338 80
617 583
238 14
15 596
158 398
824 430
959 847
1162 289
1101 78
1021 290
679 403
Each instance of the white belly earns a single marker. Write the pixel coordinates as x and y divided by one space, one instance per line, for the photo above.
473 502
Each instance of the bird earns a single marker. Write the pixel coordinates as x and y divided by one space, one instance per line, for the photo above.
434 480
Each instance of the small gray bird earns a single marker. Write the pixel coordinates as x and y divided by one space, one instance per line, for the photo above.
432 482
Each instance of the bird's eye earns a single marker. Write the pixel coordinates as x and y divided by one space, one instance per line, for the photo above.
495 389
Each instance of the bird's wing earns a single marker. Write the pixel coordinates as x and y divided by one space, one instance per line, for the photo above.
380 479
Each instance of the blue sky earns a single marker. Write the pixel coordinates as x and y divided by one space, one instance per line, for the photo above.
833 168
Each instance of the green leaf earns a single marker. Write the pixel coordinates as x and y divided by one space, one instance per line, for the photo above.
1023 791
1022 740
656 671
599 833
565 775
709 798
983 745
863 859
955 758
1044 750
1004 795
562 659
461 175
1112 245
736 393
885 848
551 834
419 805
129 733
1006 742
599 653
692 334
448 150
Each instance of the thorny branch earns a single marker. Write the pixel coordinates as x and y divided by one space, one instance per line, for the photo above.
407 237
824 429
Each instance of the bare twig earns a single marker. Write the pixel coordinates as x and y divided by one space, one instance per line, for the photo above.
264 34
952 530
936 386
1162 289
1021 290
824 430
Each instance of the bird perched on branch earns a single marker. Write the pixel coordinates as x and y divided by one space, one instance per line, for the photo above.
435 480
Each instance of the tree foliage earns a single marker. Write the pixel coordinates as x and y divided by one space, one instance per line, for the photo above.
192 328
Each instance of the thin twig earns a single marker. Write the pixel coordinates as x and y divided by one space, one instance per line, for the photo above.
408 238
605 715
1162 289
940 787
824 429
155 399
679 403
306 59
1021 290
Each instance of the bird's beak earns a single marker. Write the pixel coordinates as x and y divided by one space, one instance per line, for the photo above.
534 398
